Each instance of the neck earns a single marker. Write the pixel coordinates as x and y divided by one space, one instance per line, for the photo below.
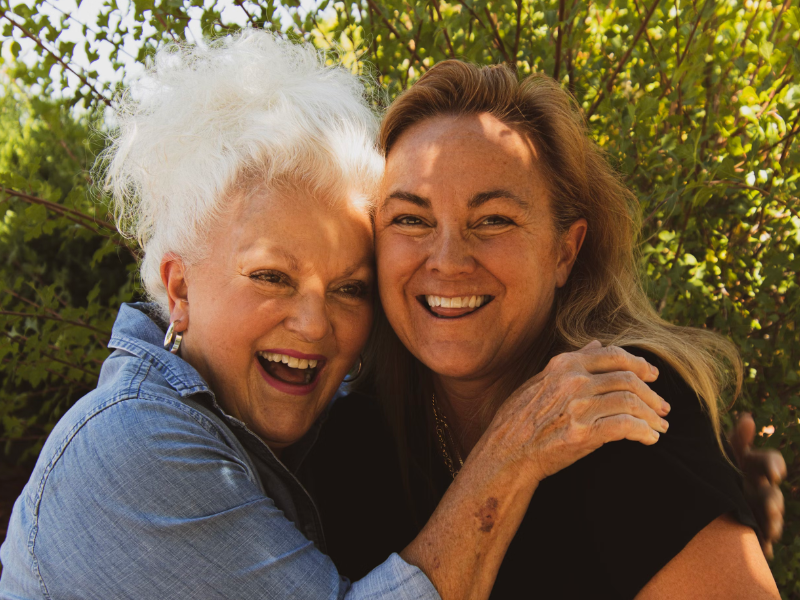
463 403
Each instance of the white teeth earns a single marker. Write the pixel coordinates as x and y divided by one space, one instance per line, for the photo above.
290 361
457 302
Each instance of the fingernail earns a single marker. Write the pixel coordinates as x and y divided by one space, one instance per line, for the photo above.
665 424
665 406
655 433
654 370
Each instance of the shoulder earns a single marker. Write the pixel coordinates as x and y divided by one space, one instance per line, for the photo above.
137 438
636 507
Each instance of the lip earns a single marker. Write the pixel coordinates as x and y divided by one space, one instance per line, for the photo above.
451 314
288 388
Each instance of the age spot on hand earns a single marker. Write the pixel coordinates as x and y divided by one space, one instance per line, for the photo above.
487 514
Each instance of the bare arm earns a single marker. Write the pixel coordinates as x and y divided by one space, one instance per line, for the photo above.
579 402
722 562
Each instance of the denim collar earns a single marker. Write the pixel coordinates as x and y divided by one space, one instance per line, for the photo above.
138 330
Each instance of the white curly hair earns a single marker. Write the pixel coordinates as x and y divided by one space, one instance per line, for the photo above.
205 120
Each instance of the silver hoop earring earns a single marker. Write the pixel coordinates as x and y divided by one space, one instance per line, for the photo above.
349 378
172 341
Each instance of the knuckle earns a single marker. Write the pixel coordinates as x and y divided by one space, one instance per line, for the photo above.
629 378
631 401
616 352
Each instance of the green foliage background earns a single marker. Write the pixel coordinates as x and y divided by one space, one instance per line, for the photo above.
697 103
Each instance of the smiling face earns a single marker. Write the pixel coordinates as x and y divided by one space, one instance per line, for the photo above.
277 314
468 256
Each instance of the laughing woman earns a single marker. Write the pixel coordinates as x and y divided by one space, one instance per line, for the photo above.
245 171
503 239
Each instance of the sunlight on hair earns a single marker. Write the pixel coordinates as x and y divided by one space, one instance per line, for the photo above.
204 117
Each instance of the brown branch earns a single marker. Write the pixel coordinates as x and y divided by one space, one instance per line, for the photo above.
392 29
39 43
608 84
691 35
164 25
57 207
790 138
67 214
664 79
777 22
435 5
25 338
69 364
473 13
240 4
498 41
10 313
557 68
519 29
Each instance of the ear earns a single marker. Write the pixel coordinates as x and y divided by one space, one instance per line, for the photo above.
173 276
571 243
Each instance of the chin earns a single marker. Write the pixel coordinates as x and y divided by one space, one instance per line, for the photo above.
455 366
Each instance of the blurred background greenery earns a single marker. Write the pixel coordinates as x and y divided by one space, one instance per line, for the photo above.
697 103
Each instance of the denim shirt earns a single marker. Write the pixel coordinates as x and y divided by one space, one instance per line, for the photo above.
146 489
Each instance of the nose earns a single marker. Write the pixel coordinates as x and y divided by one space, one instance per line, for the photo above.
451 254
309 319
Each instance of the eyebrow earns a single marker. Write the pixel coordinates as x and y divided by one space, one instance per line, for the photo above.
420 201
290 258
476 201
483 197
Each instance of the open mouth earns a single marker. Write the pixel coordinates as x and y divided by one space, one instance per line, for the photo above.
453 307
290 370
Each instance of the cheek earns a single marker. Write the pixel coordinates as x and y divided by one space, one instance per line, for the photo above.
352 330
397 258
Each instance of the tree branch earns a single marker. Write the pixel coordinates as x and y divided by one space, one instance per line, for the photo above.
557 67
392 29
11 313
60 61
609 82
435 5
498 41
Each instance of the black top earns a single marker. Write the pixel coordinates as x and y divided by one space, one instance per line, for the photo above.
600 528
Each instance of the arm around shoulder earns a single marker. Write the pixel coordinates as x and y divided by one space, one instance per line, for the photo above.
723 561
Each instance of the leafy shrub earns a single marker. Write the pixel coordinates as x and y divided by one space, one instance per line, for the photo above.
697 104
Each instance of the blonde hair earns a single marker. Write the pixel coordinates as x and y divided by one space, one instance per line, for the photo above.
207 121
604 298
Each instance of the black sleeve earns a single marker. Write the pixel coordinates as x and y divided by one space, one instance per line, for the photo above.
645 503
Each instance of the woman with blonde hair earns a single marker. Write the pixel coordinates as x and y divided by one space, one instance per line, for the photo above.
504 240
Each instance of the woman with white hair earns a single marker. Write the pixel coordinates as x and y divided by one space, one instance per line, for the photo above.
245 170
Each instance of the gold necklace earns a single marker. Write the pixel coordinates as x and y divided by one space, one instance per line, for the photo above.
442 432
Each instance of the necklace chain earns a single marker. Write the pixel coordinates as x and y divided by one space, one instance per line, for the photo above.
443 434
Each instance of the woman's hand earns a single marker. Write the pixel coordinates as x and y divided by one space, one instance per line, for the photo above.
763 472
580 401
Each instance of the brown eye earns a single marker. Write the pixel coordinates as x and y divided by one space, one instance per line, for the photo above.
495 220
354 289
271 277
407 220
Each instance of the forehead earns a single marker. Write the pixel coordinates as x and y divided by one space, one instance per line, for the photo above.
466 154
301 225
